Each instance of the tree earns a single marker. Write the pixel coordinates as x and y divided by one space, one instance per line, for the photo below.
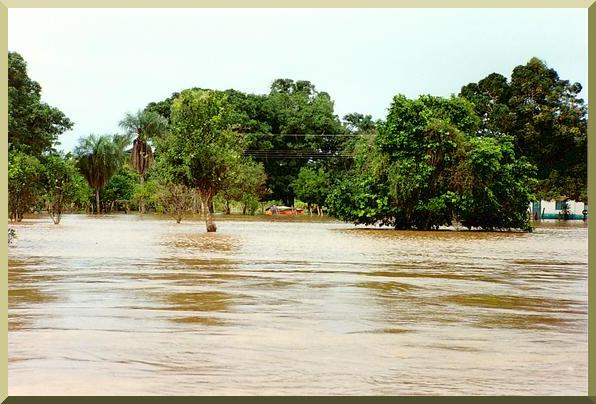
33 126
243 182
284 130
303 127
427 168
176 199
312 187
143 127
547 120
99 158
120 187
201 147
356 123
24 179
60 185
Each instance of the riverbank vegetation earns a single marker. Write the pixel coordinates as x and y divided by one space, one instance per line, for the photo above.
477 158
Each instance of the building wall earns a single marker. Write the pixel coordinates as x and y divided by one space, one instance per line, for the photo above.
548 210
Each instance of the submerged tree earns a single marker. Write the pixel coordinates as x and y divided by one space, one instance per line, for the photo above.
99 158
427 168
243 182
143 127
201 147
60 184
312 187
24 180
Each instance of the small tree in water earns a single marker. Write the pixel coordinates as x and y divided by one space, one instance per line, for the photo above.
60 184
201 147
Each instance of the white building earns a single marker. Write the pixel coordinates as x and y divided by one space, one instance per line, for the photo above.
559 209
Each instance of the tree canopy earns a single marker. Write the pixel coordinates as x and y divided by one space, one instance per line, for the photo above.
99 158
201 147
547 120
33 126
428 168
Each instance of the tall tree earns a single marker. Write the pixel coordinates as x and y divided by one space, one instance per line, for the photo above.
143 127
201 147
303 128
547 119
33 126
99 158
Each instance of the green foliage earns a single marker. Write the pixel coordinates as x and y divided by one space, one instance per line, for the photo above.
83 193
427 168
121 187
244 182
99 158
170 197
291 108
141 128
312 185
547 119
25 175
296 107
500 189
201 148
33 126
61 185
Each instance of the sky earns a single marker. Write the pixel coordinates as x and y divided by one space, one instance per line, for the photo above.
98 64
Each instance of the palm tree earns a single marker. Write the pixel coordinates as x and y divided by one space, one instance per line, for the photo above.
99 158
143 126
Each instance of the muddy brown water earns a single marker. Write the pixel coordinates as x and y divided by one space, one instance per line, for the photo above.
141 305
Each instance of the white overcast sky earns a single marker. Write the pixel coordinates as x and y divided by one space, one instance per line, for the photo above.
97 64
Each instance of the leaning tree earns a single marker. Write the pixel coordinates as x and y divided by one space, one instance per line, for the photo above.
99 158
143 126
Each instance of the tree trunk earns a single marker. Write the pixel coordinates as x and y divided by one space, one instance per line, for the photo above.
244 209
227 207
142 199
207 204
195 202
97 201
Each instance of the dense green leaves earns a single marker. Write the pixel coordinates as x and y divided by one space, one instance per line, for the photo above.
428 168
62 185
25 174
201 148
547 120
33 126
312 186
433 161
99 158
244 182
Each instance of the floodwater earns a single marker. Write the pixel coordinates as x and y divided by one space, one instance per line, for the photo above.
140 305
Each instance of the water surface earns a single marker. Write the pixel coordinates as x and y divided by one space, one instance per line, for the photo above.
141 305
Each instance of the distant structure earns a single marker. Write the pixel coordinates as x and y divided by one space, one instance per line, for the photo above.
562 209
283 210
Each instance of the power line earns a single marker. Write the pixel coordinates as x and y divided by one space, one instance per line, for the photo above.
305 134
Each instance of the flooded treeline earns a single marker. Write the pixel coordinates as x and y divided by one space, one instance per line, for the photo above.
477 158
